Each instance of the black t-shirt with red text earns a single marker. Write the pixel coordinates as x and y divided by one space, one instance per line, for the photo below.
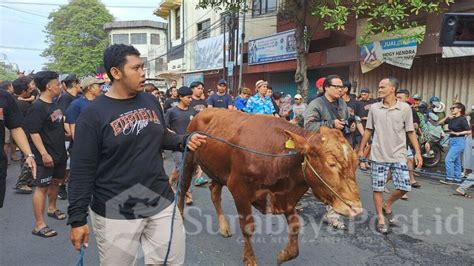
46 119
117 164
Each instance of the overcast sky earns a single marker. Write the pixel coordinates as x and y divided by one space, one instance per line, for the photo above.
24 28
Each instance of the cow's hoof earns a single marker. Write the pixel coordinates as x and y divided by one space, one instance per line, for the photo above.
225 232
250 262
285 255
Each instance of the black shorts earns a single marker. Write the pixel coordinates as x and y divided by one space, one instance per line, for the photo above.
44 175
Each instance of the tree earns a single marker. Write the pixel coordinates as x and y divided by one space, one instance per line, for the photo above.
76 37
6 75
382 16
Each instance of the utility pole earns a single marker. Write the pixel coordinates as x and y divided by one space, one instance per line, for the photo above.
223 51
242 38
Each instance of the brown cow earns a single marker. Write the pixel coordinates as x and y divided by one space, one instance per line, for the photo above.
271 184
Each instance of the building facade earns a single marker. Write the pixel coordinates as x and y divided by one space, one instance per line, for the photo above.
150 39
200 40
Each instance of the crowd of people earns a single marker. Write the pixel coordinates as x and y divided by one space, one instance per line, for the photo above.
114 141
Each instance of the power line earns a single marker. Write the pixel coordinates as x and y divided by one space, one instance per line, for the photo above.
53 4
23 11
184 31
21 48
212 27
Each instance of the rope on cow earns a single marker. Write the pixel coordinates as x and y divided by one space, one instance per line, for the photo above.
290 154
176 198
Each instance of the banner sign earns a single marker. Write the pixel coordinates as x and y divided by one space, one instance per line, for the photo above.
398 52
208 53
272 48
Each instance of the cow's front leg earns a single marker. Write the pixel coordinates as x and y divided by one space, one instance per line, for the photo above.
216 192
291 250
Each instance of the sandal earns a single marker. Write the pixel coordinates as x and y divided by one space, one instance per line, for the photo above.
463 194
57 214
382 228
389 216
44 232
416 185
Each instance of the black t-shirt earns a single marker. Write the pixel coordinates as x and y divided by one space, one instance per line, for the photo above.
416 118
198 105
365 106
46 119
117 160
178 119
458 124
64 100
11 118
219 101
23 106
170 102
355 107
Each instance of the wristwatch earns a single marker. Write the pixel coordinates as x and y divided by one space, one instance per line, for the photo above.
30 155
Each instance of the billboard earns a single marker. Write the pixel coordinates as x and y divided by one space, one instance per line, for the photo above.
272 48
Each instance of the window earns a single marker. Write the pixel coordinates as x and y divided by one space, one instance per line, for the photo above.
159 65
138 38
120 39
154 38
261 7
177 23
203 29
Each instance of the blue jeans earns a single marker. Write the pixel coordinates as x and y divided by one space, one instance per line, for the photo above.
453 158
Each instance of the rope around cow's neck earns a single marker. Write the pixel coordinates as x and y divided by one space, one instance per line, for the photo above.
303 167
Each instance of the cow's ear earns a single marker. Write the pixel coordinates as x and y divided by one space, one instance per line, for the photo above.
300 143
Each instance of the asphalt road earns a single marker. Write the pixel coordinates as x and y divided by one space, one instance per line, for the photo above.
434 227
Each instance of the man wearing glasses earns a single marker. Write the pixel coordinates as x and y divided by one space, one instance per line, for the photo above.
329 111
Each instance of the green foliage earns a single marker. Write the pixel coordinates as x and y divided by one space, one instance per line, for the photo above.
232 5
382 16
6 75
76 37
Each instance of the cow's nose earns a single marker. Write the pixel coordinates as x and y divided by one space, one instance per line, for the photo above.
355 211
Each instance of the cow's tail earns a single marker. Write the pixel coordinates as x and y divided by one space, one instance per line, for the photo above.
189 167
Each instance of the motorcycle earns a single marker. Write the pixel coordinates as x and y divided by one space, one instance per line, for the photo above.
438 143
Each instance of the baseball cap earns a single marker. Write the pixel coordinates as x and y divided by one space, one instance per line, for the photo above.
411 101
298 96
87 81
365 90
417 97
222 81
185 91
319 82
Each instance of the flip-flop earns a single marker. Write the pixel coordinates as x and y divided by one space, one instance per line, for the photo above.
389 216
44 232
381 228
57 214
463 194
